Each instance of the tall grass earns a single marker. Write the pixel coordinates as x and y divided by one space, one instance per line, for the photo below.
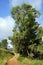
29 61
4 56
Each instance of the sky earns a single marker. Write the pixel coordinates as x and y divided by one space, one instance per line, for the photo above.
7 22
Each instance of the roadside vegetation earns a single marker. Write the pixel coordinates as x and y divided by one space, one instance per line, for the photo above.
30 61
5 55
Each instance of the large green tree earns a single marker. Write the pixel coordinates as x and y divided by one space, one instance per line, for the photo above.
26 29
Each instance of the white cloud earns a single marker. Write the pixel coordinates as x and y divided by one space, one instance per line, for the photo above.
35 3
6 26
13 2
42 38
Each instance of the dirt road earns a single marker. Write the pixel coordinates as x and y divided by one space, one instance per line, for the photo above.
13 61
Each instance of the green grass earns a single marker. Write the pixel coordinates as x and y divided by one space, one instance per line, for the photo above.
20 58
4 56
32 62
29 61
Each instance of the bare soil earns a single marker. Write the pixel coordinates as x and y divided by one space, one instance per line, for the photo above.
14 61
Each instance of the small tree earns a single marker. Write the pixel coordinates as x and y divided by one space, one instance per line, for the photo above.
0 44
26 29
4 43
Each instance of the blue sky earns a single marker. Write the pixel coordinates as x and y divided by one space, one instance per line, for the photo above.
6 21
4 8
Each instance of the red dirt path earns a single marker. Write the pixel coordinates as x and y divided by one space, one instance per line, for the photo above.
13 61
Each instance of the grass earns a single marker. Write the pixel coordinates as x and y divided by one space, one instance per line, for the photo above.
20 58
29 61
4 56
32 62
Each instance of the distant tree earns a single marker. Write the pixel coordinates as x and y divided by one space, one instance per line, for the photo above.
26 30
0 44
4 43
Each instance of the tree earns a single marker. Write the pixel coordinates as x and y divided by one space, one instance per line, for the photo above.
4 43
40 31
26 29
0 44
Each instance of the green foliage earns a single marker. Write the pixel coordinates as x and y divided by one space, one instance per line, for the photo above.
29 61
20 58
32 62
26 31
40 33
4 56
4 43
0 44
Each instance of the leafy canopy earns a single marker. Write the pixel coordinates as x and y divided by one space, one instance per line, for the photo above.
26 29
